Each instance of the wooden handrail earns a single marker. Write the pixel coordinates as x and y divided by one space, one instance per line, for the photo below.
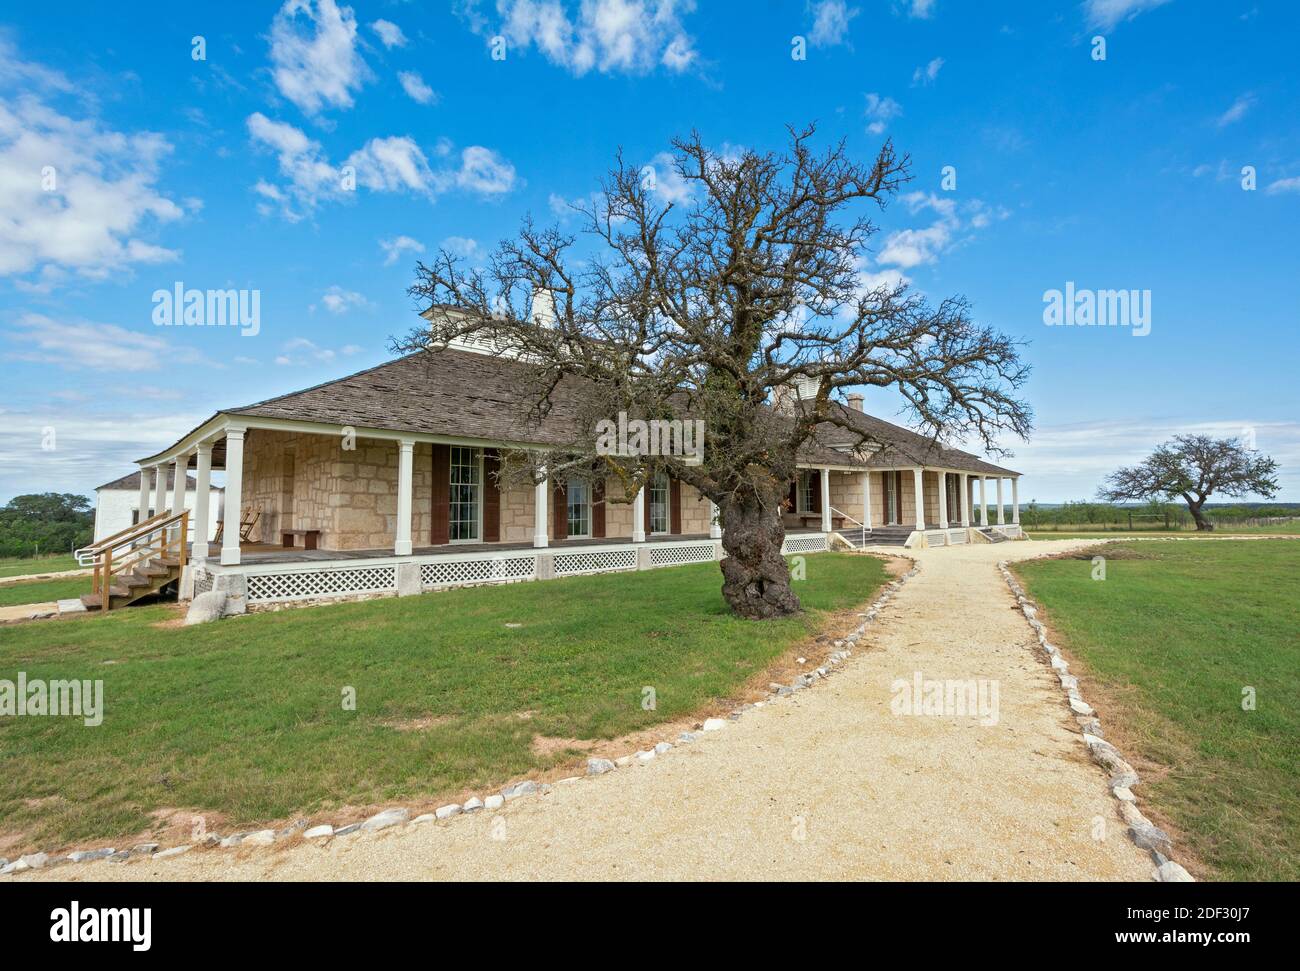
131 534
138 544
115 540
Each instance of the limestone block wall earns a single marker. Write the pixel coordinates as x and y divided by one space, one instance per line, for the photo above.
286 481
696 512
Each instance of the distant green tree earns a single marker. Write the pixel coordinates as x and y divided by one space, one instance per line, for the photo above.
47 522
1193 468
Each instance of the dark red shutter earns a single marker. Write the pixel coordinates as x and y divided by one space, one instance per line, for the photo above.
675 512
815 484
491 497
440 508
561 515
884 499
598 508
794 494
645 491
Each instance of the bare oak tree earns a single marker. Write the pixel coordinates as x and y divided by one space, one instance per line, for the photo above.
712 308
1195 467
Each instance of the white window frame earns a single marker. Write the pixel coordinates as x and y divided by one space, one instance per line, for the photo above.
478 501
667 490
807 482
585 505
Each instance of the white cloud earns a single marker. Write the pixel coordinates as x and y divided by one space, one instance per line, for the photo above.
669 186
300 351
395 247
74 194
484 171
463 246
1063 462
390 35
830 22
416 89
302 162
880 111
921 9
314 54
92 446
1105 14
392 164
1237 111
610 36
1284 185
337 301
927 74
88 345
908 248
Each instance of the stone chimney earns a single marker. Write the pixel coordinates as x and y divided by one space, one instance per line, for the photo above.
855 401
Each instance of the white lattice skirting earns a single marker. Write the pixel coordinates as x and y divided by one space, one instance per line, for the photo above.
276 583
263 587
497 569
677 555
595 561
814 543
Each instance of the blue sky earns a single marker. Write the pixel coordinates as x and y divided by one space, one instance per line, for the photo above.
223 172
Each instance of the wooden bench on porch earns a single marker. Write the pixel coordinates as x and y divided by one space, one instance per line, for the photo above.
310 537
837 522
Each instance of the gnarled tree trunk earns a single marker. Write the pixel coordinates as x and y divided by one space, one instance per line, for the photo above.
1203 525
756 579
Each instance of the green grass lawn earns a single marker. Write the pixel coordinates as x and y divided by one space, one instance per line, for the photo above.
245 717
21 566
40 591
1170 638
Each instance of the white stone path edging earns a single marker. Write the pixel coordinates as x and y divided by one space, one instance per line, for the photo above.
402 816
1123 777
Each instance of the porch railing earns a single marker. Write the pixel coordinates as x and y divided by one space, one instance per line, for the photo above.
162 536
843 515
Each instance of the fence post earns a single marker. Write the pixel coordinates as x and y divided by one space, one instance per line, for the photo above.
108 579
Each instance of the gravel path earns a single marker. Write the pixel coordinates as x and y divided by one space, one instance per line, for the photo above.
828 784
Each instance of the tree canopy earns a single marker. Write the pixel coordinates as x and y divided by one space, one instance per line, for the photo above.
713 304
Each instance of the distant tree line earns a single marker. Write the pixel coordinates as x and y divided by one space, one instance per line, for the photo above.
49 522
1148 515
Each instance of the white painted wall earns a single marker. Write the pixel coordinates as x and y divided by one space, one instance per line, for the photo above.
113 508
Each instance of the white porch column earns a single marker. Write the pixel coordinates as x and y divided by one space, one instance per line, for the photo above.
826 500
919 488
159 489
943 500
715 527
965 499
638 515
202 503
1001 511
405 478
984 505
541 492
234 496
1015 499
178 484
145 483
866 499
